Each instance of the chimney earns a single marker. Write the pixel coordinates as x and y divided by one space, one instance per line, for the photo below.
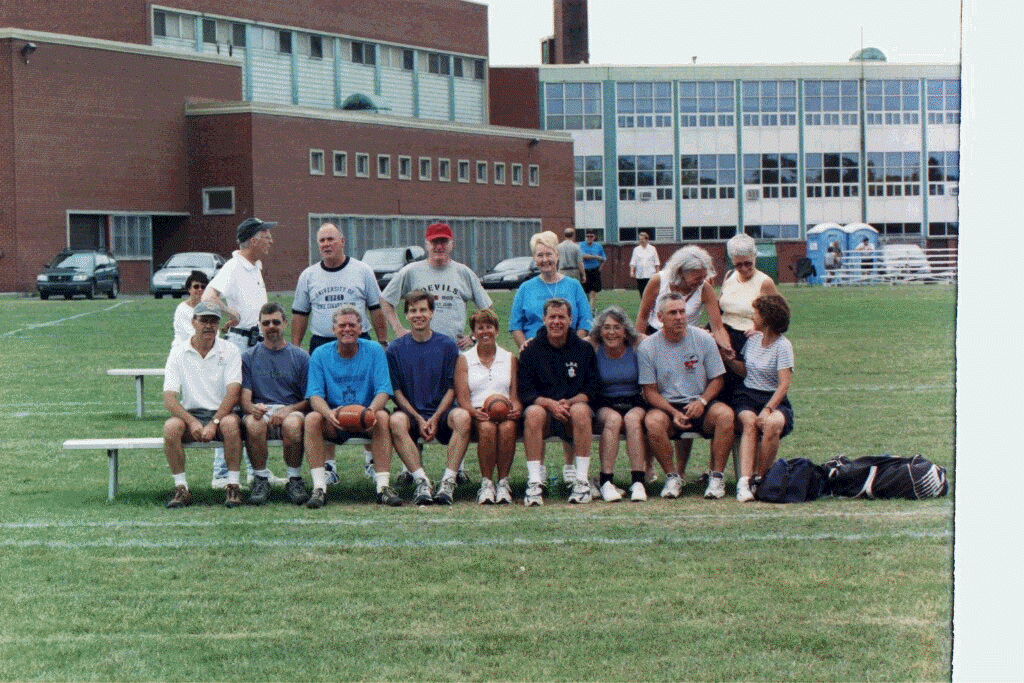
571 39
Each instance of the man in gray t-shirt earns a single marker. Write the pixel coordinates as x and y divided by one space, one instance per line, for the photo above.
681 372
451 283
570 257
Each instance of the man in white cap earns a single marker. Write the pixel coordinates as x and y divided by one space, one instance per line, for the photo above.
207 373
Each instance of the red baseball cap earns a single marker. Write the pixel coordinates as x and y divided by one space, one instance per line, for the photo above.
437 231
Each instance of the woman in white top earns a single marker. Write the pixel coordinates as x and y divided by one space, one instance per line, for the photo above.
195 285
761 404
484 370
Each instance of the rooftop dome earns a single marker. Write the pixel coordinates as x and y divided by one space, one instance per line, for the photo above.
868 54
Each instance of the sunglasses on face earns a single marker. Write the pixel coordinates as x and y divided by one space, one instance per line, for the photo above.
196 285
268 323
743 264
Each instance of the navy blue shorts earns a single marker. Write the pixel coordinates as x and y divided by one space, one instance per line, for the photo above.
443 434
754 400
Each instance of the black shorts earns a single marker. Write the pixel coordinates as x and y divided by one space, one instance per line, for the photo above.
620 404
695 425
443 434
593 283
641 284
754 400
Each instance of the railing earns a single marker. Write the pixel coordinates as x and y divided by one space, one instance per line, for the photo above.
894 266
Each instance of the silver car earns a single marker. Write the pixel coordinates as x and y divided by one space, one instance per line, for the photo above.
170 277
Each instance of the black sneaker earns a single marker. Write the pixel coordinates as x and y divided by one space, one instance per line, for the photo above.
296 490
387 496
423 495
462 479
317 500
403 479
260 492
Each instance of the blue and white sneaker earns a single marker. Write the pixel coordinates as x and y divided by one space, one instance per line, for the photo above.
331 472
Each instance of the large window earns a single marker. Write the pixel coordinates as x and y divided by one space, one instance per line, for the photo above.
775 173
572 106
832 174
218 201
693 233
645 177
773 232
131 236
893 102
894 174
943 101
707 103
589 178
943 173
364 53
644 105
707 176
769 103
830 103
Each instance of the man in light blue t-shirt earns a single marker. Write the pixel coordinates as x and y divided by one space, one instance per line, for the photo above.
681 373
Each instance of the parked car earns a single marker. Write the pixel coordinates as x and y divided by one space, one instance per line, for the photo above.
80 271
387 261
170 277
510 273
904 262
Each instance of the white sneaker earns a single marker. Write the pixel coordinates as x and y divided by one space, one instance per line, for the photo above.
580 492
610 492
533 496
503 496
219 483
486 494
673 487
638 492
744 494
596 486
716 486
330 473
569 475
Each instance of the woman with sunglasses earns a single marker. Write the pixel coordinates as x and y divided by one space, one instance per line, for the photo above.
195 285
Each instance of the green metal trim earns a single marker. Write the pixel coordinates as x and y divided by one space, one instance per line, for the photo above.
740 190
611 161
295 68
677 184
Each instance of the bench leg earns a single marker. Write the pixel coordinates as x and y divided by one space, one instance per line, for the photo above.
140 408
112 478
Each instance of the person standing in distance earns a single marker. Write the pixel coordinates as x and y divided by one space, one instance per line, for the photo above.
593 257
570 258
644 263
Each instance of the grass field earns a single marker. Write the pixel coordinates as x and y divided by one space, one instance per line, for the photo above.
665 590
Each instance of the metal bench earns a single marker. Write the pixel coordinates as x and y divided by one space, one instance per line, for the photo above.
139 374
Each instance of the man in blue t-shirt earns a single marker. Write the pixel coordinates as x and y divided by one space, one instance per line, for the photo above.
350 371
593 257
422 366
273 400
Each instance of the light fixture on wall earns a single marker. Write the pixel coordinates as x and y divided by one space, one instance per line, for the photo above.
534 142
28 49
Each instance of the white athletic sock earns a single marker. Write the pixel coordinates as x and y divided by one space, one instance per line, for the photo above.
319 478
534 471
448 474
265 473
582 468
383 480
233 477
179 480
419 474
294 472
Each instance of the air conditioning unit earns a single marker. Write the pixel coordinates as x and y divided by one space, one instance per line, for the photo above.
645 196
753 195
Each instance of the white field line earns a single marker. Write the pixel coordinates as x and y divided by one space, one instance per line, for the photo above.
34 326
389 523
381 543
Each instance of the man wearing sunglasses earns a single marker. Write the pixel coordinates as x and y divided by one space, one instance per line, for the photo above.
273 399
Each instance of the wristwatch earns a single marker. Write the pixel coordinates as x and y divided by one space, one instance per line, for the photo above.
216 421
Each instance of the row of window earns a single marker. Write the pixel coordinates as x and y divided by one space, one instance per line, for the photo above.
316 46
648 104
714 176
482 172
787 231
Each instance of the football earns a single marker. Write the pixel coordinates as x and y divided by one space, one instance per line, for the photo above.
497 407
355 418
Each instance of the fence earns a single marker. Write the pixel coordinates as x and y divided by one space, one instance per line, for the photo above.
893 264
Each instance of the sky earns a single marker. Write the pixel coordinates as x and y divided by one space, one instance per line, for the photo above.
734 31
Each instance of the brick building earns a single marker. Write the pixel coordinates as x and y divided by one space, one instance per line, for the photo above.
152 129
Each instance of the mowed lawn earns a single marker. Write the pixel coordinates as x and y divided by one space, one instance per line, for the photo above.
664 590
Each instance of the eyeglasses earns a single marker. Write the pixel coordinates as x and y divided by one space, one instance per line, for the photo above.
268 323
198 285
742 264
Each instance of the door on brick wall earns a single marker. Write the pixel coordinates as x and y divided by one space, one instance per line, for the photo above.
87 231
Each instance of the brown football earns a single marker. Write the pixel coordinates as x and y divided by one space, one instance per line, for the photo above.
355 418
497 407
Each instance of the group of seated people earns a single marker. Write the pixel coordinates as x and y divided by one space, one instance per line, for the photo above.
567 382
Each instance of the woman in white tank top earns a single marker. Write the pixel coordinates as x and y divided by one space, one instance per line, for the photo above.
484 370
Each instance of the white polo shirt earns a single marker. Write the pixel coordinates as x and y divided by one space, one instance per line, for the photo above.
241 287
203 382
